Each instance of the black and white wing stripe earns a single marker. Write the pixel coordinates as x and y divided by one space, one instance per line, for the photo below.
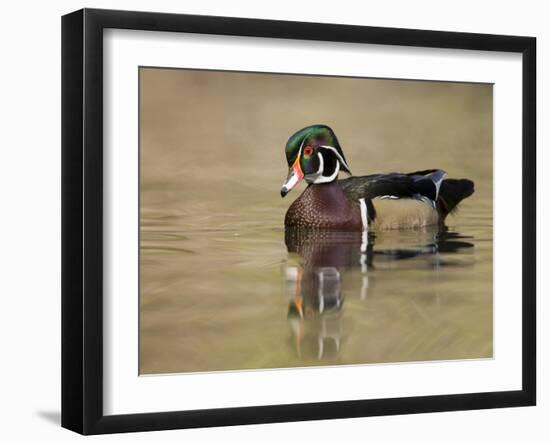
419 185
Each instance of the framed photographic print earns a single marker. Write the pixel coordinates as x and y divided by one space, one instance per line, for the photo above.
270 221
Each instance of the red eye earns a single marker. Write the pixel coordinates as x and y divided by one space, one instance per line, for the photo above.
308 150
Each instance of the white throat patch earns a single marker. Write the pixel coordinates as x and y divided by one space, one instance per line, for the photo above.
320 177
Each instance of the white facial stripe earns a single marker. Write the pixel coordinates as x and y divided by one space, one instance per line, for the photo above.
323 179
312 178
332 148
321 164
300 150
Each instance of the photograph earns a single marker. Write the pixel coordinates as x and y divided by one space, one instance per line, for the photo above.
295 221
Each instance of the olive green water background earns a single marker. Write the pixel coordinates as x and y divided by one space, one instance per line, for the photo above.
217 284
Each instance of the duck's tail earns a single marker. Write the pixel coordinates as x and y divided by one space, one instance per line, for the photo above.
452 192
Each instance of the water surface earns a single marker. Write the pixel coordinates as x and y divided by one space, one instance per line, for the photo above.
221 293
224 287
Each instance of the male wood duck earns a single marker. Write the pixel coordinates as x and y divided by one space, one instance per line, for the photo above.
377 201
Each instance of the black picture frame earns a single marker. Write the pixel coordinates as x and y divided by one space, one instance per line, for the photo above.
82 220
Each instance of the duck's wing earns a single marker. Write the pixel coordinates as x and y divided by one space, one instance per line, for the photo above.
419 185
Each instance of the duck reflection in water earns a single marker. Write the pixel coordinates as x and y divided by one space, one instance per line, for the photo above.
321 259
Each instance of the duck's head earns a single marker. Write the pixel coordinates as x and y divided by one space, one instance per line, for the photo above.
314 154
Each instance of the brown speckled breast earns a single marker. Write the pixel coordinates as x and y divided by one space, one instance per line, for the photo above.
324 206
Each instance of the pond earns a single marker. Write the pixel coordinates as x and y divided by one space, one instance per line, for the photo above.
223 286
219 293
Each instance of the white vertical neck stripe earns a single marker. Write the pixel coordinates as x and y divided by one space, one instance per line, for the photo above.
364 214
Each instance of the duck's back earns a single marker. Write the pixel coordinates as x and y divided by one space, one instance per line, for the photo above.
408 200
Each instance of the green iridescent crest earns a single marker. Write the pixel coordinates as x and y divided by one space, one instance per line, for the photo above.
313 136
